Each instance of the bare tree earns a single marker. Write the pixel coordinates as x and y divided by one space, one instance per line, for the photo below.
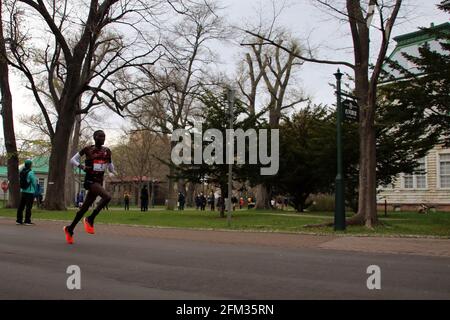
359 16
277 68
83 62
138 156
8 123
182 74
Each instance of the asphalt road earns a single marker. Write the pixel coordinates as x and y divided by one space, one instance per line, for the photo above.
34 262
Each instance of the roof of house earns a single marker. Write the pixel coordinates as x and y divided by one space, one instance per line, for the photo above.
409 44
421 35
40 165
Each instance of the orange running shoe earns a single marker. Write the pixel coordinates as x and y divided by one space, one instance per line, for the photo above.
69 237
88 227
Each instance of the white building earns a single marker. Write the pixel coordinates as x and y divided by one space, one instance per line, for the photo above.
433 187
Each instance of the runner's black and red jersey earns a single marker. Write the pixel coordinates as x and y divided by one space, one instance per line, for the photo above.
96 162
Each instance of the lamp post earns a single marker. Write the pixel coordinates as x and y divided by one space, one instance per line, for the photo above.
230 159
339 212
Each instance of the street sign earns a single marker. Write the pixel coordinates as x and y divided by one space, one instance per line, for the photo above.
4 186
351 110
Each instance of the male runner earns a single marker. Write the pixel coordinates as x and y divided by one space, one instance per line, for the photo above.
98 159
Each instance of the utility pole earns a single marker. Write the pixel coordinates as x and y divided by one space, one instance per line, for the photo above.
339 212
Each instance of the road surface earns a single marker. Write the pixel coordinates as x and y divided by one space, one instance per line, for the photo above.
126 262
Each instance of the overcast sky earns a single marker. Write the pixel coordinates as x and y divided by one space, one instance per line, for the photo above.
330 38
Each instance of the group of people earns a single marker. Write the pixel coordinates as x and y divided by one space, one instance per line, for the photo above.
279 203
144 199
200 202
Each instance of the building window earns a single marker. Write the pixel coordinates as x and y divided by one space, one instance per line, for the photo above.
408 181
417 180
444 170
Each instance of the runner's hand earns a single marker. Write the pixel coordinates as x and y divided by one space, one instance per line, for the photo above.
84 168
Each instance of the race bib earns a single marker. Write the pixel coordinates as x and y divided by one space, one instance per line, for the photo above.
99 165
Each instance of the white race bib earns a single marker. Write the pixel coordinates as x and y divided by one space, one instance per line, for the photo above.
99 165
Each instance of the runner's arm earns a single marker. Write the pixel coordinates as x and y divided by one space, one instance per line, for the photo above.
76 161
111 168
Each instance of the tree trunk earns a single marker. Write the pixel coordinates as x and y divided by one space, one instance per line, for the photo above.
70 176
262 197
367 212
181 186
171 196
367 206
55 199
8 126
262 191
190 195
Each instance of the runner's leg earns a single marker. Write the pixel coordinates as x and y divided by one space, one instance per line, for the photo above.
106 198
90 198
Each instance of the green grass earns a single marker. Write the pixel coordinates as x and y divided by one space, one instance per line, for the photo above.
395 224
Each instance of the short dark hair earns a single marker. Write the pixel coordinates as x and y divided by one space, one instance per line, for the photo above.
97 132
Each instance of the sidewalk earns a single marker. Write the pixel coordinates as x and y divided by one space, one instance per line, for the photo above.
385 245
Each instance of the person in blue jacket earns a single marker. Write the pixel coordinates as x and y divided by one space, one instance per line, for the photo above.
27 192
38 195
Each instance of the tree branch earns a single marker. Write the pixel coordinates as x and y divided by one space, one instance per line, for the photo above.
271 42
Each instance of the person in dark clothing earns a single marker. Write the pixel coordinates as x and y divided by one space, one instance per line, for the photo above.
197 202
181 201
80 199
212 200
221 204
38 195
98 160
126 200
202 202
27 191
144 199
234 201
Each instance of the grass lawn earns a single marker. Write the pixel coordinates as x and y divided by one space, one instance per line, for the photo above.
395 224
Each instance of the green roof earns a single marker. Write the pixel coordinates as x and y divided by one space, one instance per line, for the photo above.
421 35
40 165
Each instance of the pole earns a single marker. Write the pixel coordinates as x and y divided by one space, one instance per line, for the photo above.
339 213
152 195
231 156
385 207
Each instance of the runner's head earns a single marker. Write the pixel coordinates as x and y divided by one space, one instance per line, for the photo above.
99 137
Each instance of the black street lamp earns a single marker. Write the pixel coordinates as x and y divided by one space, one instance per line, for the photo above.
153 192
339 212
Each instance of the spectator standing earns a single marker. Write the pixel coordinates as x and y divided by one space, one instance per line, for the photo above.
27 192
144 198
